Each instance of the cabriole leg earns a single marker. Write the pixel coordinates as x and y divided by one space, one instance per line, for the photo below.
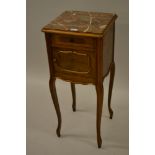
112 74
56 103
100 91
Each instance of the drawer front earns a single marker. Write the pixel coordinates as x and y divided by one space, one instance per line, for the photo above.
74 65
72 41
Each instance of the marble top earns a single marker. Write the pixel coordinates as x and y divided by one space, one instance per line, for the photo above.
81 21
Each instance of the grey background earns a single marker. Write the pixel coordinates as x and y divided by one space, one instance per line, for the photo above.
78 129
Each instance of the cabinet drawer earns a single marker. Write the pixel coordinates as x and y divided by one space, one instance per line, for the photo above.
72 41
73 64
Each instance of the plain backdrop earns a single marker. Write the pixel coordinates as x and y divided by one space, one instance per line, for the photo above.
79 128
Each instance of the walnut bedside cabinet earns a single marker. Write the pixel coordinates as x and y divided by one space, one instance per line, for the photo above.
80 48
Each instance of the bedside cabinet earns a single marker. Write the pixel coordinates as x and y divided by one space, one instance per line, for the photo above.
80 48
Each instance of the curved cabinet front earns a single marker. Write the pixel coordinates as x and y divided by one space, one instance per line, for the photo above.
73 63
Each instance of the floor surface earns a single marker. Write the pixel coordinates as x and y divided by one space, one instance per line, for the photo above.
78 128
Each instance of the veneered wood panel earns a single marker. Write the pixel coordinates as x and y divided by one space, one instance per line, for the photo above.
72 61
108 50
73 41
74 64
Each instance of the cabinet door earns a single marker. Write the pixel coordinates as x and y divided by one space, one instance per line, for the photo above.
74 65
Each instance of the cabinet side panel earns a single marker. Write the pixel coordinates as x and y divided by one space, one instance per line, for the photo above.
108 50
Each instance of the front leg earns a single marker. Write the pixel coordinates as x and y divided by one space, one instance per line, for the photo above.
56 103
100 91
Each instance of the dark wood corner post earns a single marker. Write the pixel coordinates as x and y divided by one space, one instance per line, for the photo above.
99 84
99 88
53 87
52 83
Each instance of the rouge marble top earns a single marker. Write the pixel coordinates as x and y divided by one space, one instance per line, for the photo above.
81 21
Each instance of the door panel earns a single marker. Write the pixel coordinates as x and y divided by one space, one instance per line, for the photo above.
74 64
